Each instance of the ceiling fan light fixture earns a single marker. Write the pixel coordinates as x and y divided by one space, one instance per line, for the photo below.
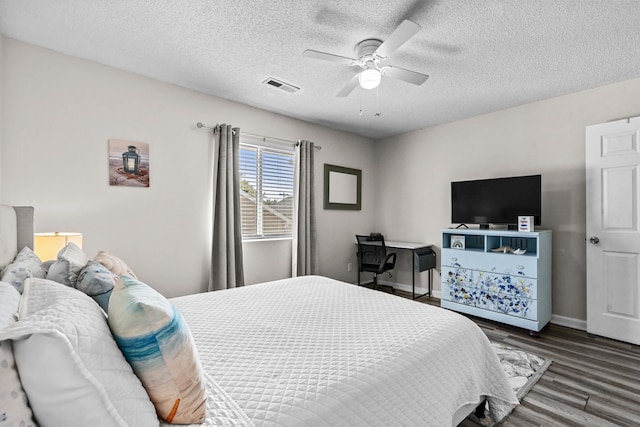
369 78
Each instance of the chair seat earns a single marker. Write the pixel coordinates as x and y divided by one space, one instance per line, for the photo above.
388 266
372 268
375 268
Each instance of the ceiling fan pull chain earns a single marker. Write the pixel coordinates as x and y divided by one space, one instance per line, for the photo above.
378 113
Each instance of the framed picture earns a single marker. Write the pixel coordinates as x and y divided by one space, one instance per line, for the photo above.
457 242
525 223
128 163
342 188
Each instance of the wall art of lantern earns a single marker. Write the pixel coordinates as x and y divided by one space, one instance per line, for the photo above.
128 163
131 160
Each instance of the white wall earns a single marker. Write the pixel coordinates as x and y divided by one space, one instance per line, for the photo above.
59 113
546 137
1 105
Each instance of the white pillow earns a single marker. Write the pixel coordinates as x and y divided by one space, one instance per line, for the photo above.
70 261
14 407
70 366
25 265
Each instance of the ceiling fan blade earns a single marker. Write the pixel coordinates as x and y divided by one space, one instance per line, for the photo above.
328 57
400 35
349 87
404 75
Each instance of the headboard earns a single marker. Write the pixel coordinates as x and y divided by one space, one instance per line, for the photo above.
16 231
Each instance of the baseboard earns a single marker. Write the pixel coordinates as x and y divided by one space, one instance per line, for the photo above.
569 322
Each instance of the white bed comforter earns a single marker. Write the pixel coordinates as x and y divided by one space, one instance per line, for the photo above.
312 351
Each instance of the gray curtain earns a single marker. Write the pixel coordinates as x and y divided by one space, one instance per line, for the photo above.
226 254
304 256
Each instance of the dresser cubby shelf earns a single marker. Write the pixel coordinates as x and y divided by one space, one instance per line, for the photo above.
503 286
488 240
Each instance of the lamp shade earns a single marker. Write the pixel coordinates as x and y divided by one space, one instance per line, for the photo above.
369 78
47 245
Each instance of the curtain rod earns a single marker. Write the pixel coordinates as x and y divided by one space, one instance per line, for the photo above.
295 143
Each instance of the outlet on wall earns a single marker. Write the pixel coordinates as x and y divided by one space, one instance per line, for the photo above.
349 266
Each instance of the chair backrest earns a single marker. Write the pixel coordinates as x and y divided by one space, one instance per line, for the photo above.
371 249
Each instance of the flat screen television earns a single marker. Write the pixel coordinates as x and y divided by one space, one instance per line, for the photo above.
496 200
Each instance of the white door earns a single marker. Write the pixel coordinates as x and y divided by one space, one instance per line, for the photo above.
613 229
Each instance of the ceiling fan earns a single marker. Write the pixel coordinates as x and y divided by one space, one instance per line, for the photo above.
371 54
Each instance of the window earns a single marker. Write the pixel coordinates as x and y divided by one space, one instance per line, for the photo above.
266 191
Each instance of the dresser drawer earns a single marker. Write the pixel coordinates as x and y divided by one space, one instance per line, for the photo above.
511 305
494 283
517 265
460 257
508 285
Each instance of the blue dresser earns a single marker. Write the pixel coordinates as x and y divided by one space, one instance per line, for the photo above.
498 274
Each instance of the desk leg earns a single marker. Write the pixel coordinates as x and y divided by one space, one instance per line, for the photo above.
413 275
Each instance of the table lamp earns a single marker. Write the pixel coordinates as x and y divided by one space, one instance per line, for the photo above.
47 245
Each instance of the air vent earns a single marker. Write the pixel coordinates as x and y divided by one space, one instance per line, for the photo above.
281 85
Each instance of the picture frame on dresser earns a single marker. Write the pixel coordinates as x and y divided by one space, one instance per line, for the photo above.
457 242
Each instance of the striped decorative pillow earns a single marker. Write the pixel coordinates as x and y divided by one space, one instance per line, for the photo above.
157 342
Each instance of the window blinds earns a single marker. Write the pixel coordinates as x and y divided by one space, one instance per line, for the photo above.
266 191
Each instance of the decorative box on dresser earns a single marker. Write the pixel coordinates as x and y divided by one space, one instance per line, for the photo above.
512 288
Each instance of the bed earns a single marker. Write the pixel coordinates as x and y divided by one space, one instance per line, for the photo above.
307 351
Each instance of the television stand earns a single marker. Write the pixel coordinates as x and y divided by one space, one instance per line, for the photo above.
462 225
484 226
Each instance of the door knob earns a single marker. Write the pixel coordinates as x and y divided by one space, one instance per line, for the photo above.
594 240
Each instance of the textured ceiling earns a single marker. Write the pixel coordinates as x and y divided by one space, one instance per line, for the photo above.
481 56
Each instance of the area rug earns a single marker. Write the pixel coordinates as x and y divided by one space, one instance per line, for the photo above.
523 370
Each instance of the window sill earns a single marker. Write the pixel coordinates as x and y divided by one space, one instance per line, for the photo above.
266 239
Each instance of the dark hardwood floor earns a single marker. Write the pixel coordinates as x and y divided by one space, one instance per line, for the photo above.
592 381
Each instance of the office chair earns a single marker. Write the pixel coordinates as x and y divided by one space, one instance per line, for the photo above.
373 257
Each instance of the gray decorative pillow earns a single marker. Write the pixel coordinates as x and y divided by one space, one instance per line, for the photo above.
25 265
70 261
97 281
46 265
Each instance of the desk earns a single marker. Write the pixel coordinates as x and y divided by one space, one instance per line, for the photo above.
413 247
